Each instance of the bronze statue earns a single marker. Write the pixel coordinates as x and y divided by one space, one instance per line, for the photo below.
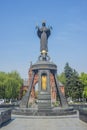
43 33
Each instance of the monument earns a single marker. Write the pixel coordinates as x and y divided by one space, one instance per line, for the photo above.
42 71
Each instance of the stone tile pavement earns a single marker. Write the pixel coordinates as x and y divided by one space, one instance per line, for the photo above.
71 122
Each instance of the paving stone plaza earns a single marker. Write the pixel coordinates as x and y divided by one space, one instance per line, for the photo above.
70 122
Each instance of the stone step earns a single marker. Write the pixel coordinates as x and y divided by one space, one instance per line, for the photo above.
44 97
44 105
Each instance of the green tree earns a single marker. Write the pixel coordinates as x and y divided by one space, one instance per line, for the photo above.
62 78
68 76
3 76
73 85
77 89
10 84
83 79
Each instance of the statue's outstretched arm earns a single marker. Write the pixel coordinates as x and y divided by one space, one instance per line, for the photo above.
48 33
39 33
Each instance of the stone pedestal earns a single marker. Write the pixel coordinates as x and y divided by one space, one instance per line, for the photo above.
40 69
5 115
83 114
44 101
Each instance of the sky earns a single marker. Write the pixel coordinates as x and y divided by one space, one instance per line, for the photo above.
19 43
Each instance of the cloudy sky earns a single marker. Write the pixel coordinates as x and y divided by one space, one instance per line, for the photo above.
19 44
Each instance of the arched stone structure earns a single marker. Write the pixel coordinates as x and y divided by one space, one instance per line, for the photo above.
52 85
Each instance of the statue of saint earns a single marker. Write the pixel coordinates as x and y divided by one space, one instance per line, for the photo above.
44 82
43 33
